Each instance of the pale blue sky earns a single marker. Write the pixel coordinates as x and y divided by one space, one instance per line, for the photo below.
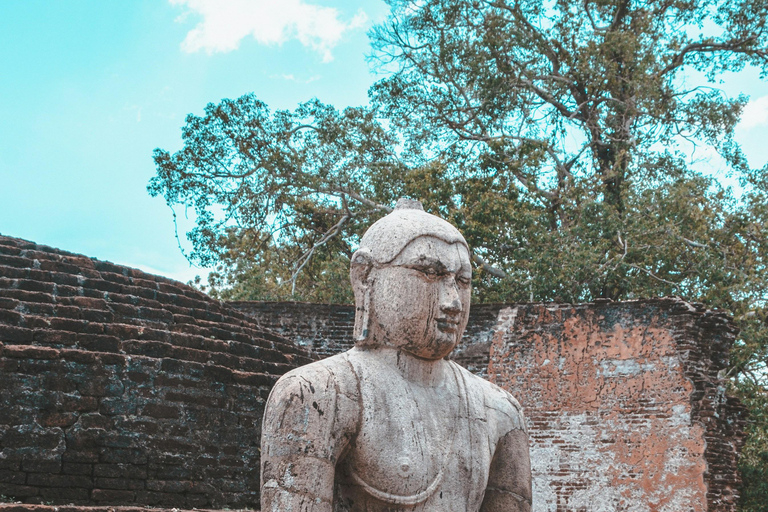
88 88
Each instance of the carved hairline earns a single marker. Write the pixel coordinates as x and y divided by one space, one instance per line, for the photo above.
356 261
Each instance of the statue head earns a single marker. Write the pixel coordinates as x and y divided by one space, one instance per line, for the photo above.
412 281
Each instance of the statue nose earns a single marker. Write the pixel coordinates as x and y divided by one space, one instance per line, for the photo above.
449 300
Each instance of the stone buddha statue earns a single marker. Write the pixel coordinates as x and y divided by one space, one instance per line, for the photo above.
391 424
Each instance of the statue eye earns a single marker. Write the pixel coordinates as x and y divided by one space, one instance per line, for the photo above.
429 273
464 281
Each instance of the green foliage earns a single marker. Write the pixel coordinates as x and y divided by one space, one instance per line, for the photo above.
550 133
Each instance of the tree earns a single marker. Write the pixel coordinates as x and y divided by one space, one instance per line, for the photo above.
551 133
294 191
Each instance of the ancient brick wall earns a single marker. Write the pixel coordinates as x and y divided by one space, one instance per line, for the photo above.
26 507
119 387
322 329
122 388
473 351
625 406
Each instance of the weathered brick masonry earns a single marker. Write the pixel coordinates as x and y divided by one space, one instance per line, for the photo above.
625 406
25 507
119 387
322 329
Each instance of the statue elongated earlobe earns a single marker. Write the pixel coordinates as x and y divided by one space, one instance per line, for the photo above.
359 272
361 333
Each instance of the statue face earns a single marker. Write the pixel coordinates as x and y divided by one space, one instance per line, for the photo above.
420 301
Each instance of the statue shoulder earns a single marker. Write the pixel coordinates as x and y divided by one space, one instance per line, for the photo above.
328 380
499 403
332 369
309 421
314 407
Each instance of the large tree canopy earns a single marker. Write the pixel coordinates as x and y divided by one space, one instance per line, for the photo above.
555 135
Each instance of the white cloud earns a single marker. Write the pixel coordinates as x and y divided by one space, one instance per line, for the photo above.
226 22
292 78
755 113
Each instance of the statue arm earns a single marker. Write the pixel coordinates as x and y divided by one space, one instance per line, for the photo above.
307 425
509 481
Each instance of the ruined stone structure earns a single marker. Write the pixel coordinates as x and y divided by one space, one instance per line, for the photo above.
118 387
326 329
322 329
625 405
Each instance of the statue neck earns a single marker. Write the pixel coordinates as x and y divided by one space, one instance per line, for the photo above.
425 372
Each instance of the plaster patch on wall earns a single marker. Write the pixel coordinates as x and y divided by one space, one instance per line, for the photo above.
611 422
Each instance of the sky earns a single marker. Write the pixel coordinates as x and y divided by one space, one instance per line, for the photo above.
88 88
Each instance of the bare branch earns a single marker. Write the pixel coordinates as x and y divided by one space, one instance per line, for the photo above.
527 183
357 197
591 19
549 98
694 244
690 243
707 46
291 132
487 267
304 259
651 274
618 17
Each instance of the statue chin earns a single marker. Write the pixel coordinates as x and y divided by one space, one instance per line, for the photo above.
434 349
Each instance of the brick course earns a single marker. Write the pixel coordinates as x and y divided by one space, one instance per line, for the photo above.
326 329
20 507
625 405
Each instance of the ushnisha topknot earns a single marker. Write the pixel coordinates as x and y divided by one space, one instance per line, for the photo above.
388 236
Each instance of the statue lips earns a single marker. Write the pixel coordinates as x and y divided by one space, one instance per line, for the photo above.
447 324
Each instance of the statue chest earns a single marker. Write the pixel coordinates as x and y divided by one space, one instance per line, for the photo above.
409 439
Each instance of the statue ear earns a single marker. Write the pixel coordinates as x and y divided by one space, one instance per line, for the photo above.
360 266
359 272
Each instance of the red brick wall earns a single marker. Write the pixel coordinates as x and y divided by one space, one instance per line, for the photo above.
119 387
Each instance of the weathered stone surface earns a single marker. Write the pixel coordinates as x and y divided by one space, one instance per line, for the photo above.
119 387
52 385
390 424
